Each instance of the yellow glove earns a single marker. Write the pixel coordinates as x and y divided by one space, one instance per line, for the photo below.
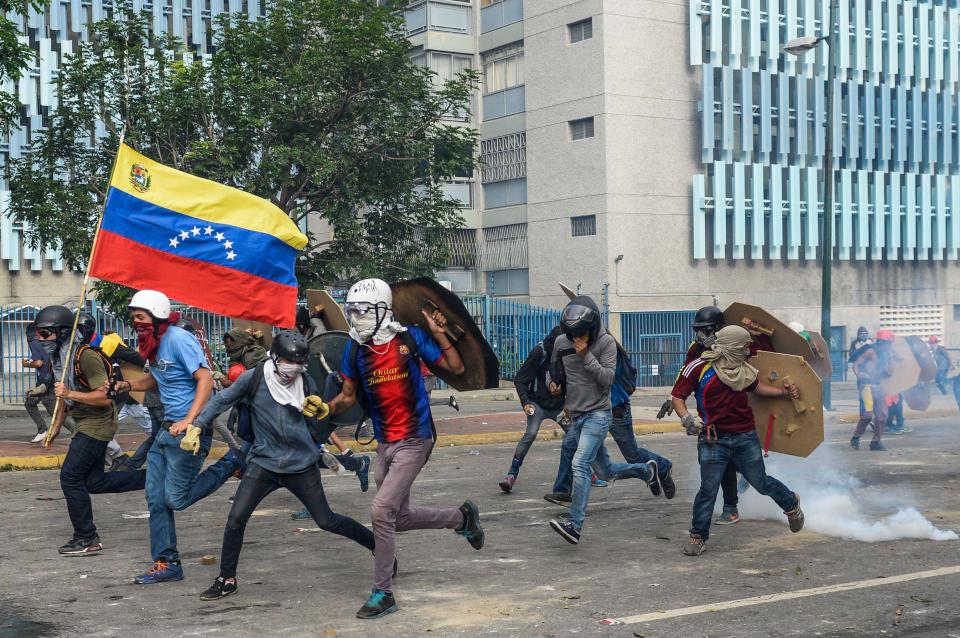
314 407
191 440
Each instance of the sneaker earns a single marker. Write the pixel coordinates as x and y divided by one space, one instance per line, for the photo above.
471 529
855 443
453 403
598 482
363 473
694 546
669 487
237 458
161 572
877 446
507 483
728 518
121 464
330 461
795 517
656 487
557 498
39 438
221 587
78 547
302 515
379 604
564 527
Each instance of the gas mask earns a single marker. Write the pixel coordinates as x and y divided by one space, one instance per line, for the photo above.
706 336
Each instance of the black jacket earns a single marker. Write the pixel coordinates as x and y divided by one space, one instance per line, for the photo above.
531 383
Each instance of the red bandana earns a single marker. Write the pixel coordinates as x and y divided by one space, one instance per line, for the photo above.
148 335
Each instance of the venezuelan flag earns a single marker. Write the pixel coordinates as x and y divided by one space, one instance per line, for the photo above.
199 242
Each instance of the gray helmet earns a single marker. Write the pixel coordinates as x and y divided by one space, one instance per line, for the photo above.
58 319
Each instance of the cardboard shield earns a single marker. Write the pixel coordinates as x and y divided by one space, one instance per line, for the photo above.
568 291
905 369
326 355
319 302
133 372
481 367
918 397
760 322
821 363
928 366
263 328
788 426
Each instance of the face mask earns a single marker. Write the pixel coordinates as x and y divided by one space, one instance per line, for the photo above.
706 338
365 325
48 346
289 372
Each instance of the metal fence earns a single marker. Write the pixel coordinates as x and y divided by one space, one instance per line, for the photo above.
657 343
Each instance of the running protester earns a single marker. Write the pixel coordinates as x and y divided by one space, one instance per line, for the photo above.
381 361
872 365
42 344
178 367
283 404
538 404
583 369
95 416
726 432
52 325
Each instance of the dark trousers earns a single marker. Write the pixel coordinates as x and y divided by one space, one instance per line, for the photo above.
728 485
82 475
156 422
257 483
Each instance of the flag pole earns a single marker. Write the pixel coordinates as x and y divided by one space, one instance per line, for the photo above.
54 428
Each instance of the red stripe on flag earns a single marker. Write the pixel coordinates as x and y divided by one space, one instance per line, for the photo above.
204 285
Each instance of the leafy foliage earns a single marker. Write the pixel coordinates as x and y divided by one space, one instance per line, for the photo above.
15 56
316 107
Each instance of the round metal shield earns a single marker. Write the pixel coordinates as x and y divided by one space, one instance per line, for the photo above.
326 355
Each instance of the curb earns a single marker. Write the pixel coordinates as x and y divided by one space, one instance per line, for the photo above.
54 461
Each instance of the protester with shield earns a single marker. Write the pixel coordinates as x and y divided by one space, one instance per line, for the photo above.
381 367
726 432
872 366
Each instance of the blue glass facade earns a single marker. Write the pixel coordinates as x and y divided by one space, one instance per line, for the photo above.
763 118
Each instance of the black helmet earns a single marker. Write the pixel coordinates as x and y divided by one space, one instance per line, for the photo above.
303 317
708 316
581 317
86 326
56 318
291 346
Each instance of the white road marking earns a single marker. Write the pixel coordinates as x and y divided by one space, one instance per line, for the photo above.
789 595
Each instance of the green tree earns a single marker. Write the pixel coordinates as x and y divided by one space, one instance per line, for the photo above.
316 107
15 57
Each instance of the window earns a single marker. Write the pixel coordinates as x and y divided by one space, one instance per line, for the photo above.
503 68
504 247
921 321
583 225
581 129
580 31
509 282
511 192
503 158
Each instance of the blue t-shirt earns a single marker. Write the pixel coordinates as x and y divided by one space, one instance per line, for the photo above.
390 377
178 358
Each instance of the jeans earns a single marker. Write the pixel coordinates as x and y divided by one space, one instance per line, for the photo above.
621 429
873 407
257 483
82 475
589 430
397 466
156 423
174 483
533 428
745 453
728 485
602 466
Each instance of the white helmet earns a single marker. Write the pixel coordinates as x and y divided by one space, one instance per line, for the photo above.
372 291
153 301
796 326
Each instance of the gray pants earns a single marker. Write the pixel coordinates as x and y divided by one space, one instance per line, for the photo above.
48 399
396 467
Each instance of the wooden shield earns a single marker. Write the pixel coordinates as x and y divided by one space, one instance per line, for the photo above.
321 303
264 328
821 363
133 372
568 291
928 366
905 370
482 370
759 321
797 425
918 397
326 355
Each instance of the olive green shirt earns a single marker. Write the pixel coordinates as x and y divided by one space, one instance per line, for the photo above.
97 423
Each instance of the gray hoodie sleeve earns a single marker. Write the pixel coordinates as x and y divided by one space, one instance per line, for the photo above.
224 400
601 362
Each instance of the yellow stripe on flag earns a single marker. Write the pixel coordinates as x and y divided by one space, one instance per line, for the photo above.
145 179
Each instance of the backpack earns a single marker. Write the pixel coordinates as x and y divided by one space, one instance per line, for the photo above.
626 372
244 408
78 371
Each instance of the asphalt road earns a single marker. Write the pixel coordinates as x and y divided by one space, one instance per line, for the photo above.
527 581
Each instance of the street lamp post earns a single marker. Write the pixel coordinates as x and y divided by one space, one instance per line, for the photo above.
800 46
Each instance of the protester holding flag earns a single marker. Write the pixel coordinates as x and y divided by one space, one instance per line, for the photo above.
178 367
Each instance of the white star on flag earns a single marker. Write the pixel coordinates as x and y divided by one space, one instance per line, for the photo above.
184 234
219 236
195 231
231 254
174 242
228 244
208 230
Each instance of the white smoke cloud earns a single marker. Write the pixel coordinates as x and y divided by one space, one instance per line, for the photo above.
835 503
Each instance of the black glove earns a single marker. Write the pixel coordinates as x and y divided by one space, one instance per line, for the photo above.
666 409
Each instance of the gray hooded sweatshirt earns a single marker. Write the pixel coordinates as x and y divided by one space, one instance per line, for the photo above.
589 378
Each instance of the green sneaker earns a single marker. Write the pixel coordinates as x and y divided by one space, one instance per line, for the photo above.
379 604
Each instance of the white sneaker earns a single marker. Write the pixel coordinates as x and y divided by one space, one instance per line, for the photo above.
39 438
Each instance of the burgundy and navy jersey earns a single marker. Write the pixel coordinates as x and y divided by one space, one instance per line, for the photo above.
390 376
